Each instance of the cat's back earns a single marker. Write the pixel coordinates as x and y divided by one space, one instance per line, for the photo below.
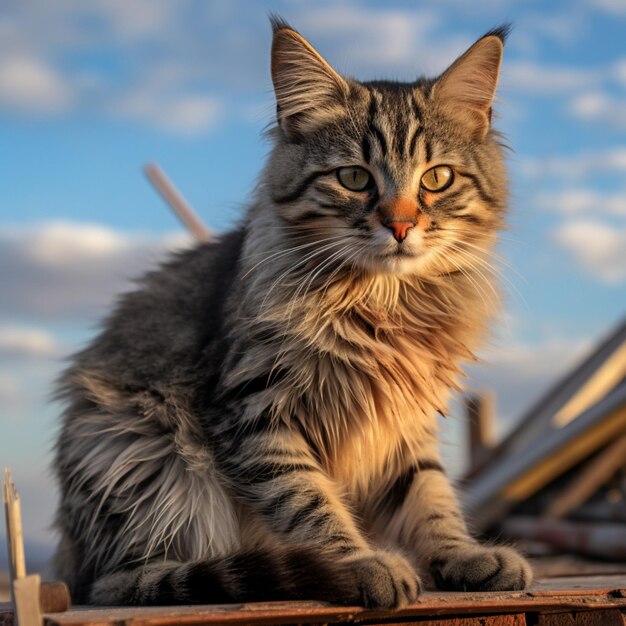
130 452
160 331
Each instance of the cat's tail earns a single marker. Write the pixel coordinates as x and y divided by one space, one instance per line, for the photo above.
288 573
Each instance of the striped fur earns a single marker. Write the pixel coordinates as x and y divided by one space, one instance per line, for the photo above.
258 419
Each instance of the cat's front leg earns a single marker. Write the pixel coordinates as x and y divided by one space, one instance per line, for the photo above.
419 510
273 468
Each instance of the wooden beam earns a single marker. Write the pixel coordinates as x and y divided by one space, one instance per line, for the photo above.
605 541
571 595
510 480
611 617
535 422
602 511
177 203
566 456
609 374
590 478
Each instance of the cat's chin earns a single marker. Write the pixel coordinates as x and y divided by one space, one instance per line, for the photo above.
401 263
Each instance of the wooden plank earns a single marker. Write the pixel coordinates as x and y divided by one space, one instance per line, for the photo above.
586 618
318 615
534 423
566 564
560 595
605 378
602 511
589 479
518 619
570 594
611 424
488 497
606 541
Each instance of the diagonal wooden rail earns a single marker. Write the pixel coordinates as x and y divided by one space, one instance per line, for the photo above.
178 204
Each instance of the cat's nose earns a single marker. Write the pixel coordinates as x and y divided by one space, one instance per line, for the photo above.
399 228
399 215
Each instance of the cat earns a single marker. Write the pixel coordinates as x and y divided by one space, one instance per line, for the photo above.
257 420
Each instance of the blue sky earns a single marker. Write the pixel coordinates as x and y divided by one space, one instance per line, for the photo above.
91 91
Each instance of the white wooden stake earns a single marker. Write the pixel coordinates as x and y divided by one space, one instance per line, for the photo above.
175 200
24 589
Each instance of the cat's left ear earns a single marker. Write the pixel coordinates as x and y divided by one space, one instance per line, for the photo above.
467 88
308 90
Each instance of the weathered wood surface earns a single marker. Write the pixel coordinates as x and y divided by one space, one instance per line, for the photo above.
578 600
586 618
597 539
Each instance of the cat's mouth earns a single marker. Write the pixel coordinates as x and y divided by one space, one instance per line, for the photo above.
399 251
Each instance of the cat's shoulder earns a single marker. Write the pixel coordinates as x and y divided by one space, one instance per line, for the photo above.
175 311
198 266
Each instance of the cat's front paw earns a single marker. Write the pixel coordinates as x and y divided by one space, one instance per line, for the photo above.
481 568
383 580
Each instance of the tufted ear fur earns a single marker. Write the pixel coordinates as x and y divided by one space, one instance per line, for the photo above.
466 89
307 88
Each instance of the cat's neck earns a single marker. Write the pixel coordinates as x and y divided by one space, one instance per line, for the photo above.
288 285
365 357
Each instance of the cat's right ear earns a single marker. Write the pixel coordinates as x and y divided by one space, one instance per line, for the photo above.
467 88
308 90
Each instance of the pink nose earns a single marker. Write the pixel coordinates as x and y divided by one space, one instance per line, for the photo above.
399 228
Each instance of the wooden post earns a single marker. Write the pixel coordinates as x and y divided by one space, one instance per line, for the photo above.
481 424
24 589
175 200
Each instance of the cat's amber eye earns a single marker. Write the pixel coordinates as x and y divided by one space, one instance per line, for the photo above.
354 178
437 178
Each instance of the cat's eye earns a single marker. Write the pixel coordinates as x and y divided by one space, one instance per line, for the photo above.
437 178
354 178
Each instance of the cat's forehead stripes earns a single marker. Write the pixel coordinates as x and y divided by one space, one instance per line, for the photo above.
394 121
373 123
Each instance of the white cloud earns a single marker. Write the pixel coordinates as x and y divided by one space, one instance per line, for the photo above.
28 83
18 341
616 7
64 269
221 49
582 200
134 20
619 71
364 37
43 68
577 166
562 27
64 244
185 114
531 77
598 247
599 106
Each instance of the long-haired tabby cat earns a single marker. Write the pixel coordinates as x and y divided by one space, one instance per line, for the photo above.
258 420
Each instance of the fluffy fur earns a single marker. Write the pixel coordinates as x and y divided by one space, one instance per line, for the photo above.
258 419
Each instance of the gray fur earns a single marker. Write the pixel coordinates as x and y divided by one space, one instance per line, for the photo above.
258 418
